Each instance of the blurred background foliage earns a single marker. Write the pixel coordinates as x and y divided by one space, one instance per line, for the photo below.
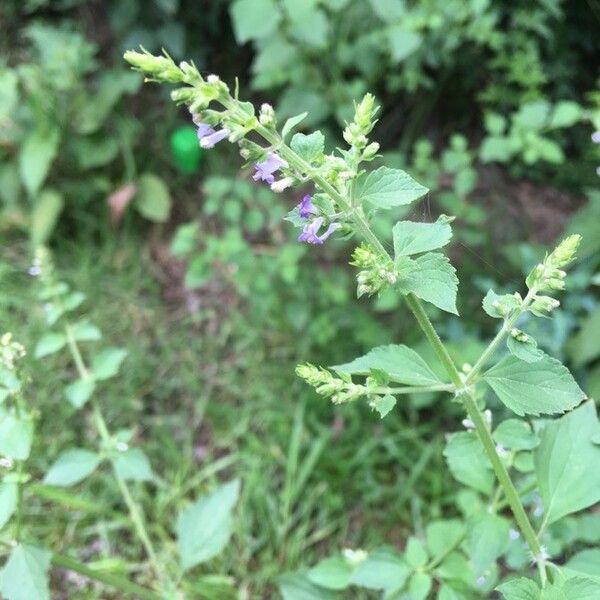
190 265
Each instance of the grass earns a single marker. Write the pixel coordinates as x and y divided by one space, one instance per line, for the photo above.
316 478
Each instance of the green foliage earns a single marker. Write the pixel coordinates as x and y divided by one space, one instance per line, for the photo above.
25 574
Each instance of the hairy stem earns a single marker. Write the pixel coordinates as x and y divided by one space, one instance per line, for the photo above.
123 585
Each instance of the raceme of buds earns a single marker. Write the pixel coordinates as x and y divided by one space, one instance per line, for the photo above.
542 306
376 272
160 68
10 351
267 116
329 386
548 275
356 132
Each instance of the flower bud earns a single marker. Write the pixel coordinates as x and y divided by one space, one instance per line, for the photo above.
565 252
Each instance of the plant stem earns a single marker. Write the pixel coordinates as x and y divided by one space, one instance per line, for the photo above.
121 584
510 493
443 387
134 510
504 331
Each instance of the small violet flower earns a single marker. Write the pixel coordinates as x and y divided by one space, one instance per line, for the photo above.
310 232
265 169
209 137
306 207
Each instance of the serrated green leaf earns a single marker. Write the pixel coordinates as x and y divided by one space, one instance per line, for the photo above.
383 405
566 463
16 435
309 147
586 562
133 464
542 387
527 351
37 153
432 279
152 198
80 391
401 364
520 588
204 527
49 344
468 462
25 574
107 362
386 188
333 573
488 538
581 588
443 535
8 501
414 238
291 123
514 434
71 467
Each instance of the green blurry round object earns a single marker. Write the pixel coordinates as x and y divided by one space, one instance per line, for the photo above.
185 149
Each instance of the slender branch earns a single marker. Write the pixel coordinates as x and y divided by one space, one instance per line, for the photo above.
121 584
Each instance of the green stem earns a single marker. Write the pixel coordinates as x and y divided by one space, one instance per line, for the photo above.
443 387
510 492
504 331
123 585
134 510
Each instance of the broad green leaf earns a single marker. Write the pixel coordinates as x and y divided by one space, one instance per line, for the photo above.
542 387
25 574
447 592
383 569
586 562
581 588
186 238
401 364
254 19
403 42
291 123
514 434
107 362
419 586
495 149
9 92
443 535
414 238
49 344
204 527
488 538
309 147
566 463
520 588
71 467
96 151
468 462
432 279
16 434
84 331
294 586
311 28
80 391
415 553
44 215
133 464
383 405
584 347
333 573
565 114
8 501
152 198
527 351
37 153
387 188
456 567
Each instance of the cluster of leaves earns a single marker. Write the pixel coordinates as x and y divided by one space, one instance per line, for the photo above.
203 527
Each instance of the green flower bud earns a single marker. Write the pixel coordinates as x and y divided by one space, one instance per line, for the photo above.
565 252
160 68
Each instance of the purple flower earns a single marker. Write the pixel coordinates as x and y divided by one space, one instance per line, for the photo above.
209 137
310 231
265 169
306 207
596 137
